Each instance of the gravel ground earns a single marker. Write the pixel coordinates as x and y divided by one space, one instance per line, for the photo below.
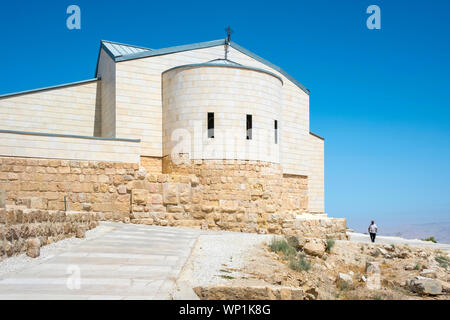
219 251
22 261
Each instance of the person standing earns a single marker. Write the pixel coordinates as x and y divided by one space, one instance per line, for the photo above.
373 229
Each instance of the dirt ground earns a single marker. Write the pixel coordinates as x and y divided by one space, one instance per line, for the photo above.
398 264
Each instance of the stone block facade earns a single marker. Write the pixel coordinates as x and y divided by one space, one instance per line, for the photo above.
234 195
231 93
51 184
320 226
35 145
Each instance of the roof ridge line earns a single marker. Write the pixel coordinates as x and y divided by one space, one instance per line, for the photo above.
173 49
126 44
206 44
59 86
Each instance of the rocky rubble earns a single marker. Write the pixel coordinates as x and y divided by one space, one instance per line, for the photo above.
423 285
26 230
249 293
353 271
33 248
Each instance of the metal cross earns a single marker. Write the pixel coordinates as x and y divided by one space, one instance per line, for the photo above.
229 32
227 40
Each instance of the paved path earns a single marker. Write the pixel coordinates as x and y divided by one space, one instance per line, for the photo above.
360 237
123 261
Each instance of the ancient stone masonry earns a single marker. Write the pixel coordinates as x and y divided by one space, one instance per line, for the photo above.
86 185
26 230
235 195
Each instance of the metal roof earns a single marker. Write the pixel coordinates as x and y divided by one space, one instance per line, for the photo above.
223 62
44 134
9 95
120 49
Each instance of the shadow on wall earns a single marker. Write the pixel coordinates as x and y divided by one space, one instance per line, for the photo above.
98 111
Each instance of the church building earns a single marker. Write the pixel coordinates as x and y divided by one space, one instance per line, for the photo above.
233 122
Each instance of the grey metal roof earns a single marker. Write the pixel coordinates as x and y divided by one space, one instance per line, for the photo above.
44 134
223 62
317 136
9 95
157 52
120 49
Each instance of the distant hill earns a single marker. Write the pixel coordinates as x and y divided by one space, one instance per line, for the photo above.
440 231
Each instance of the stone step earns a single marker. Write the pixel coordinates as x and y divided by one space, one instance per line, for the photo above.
16 207
312 216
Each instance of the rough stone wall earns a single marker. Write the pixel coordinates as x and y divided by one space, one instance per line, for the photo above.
2 198
295 193
108 114
87 185
152 164
320 227
235 195
19 225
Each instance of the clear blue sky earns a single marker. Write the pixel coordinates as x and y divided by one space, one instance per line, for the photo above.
381 98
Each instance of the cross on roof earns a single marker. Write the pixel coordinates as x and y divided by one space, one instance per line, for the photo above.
227 40
229 31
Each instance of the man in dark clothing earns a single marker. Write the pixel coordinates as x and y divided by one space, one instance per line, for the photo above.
373 229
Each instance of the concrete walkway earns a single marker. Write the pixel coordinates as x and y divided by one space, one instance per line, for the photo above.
123 261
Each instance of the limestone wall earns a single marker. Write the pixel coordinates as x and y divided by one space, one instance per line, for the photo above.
87 185
139 95
321 227
294 197
235 195
66 147
230 195
107 110
190 93
152 164
139 103
139 106
19 225
64 110
247 196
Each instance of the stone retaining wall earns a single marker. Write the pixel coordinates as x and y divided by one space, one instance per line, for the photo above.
320 227
235 195
87 185
19 225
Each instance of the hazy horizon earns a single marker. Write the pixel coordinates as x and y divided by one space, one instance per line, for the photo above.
439 230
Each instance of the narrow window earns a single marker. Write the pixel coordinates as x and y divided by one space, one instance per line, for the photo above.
249 127
276 131
211 125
